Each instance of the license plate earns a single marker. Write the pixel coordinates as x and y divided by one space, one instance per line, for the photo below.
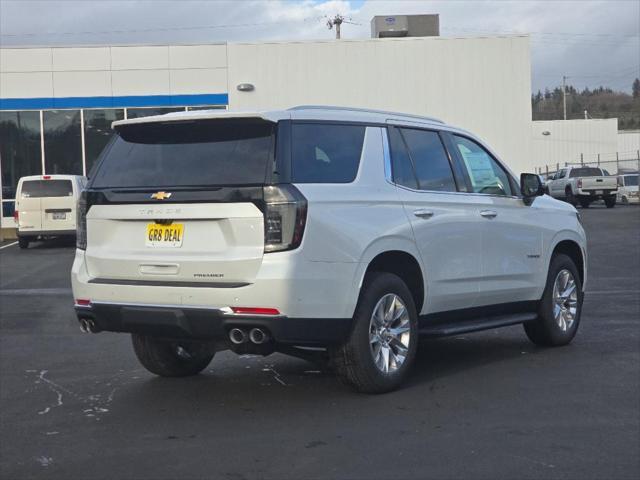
598 192
59 216
159 235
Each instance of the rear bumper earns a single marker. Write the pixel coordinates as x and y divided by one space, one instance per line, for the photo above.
210 323
593 195
46 233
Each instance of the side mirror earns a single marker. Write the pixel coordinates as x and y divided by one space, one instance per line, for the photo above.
530 186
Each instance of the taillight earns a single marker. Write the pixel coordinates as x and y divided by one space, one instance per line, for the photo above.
16 215
285 217
81 222
255 311
579 183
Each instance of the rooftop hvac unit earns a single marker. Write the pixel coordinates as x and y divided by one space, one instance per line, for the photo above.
384 26
390 26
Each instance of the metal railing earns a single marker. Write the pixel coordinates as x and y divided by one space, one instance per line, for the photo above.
614 163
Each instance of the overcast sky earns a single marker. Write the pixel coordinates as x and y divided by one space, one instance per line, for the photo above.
592 42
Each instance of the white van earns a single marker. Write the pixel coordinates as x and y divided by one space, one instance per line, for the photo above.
46 206
628 189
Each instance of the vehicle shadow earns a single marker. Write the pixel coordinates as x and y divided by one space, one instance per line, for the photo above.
53 243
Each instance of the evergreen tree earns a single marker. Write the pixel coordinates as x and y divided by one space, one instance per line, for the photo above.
636 88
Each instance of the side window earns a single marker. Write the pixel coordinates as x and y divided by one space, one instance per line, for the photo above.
325 153
430 160
420 161
561 174
486 175
403 173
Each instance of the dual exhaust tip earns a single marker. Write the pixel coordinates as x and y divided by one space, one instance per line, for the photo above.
257 336
87 325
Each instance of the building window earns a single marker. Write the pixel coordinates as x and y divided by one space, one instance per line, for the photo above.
19 149
98 132
207 107
62 142
147 112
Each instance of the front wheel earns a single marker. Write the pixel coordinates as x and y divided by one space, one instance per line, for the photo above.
560 306
610 202
171 359
382 346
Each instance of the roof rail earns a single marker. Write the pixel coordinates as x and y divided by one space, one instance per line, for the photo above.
365 110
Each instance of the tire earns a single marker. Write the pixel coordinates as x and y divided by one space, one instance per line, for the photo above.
570 197
162 357
625 200
610 202
546 330
354 360
585 203
23 243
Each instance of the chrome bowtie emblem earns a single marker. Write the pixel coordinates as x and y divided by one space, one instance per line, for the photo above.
160 195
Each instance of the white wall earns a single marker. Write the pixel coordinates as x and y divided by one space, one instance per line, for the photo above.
629 143
481 84
568 139
112 71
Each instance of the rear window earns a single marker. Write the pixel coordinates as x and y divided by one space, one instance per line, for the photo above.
325 153
631 180
199 153
585 172
46 188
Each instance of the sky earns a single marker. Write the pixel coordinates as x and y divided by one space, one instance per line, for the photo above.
593 42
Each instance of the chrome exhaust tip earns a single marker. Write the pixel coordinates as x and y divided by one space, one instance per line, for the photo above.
237 336
91 326
84 327
258 336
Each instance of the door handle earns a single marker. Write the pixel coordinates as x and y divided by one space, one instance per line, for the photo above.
488 213
423 213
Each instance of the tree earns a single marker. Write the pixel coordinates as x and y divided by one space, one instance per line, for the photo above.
636 88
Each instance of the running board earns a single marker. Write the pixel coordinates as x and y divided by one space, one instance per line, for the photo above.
449 328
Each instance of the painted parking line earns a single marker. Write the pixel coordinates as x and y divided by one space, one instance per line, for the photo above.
610 292
34 291
9 245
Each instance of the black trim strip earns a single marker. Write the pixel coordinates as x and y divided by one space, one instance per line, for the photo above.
57 210
165 283
476 325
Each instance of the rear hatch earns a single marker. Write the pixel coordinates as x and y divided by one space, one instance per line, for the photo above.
47 205
178 203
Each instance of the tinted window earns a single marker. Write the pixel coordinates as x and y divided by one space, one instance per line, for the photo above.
430 160
585 172
486 175
202 153
19 149
403 173
98 132
325 153
62 142
47 188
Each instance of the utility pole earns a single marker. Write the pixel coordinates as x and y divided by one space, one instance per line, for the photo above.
336 22
564 96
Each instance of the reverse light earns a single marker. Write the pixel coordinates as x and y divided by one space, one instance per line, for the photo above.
285 217
255 311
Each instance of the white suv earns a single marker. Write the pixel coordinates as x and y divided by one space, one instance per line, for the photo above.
317 232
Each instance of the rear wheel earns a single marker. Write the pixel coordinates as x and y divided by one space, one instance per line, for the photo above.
169 358
585 203
570 197
610 202
560 307
23 242
383 343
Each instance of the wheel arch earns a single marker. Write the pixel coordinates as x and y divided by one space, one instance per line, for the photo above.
401 260
573 250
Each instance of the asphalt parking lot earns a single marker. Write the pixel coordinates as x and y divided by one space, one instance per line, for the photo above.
486 405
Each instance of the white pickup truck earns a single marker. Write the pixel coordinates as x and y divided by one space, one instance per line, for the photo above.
583 185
